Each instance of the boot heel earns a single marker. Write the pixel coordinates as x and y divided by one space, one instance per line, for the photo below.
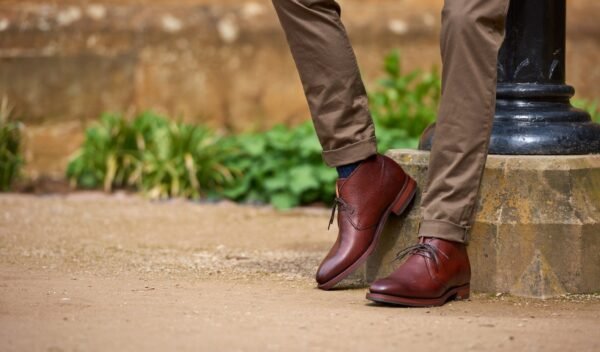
405 196
463 292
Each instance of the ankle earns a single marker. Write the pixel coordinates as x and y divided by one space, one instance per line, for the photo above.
346 170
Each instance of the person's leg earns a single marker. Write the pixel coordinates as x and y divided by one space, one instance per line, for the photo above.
332 83
438 267
371 186
472 33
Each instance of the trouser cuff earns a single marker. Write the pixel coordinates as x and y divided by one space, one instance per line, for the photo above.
445 230
351 153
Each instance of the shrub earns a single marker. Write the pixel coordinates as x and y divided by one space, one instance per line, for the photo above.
158 157
11 159
107 157
403 105
282 166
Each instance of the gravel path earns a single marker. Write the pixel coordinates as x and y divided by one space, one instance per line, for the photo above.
93 272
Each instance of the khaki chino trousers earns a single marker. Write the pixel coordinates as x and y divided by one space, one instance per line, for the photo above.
472 33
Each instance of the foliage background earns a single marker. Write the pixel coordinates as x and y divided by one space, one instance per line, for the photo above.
282 166
11 158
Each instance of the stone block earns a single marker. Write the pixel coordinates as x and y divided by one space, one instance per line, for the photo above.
536 230
60 89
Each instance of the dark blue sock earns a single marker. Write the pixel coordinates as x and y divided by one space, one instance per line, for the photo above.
345 170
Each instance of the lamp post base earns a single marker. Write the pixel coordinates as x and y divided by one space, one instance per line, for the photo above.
537 119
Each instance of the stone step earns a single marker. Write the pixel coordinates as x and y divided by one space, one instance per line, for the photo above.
536 230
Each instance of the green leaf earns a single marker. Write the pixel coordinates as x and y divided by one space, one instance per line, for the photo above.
302 178
283 200
276 182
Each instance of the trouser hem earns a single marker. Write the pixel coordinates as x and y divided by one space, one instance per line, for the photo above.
351 153
445 230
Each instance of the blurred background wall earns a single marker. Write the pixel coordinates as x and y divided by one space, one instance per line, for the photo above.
220 62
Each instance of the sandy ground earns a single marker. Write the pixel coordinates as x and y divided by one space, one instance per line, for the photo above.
88 272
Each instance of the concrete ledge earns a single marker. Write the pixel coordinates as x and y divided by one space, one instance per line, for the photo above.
537 225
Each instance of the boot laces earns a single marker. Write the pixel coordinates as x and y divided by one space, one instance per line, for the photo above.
343 206
425 250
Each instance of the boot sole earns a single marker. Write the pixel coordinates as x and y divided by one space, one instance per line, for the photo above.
398 206
456 293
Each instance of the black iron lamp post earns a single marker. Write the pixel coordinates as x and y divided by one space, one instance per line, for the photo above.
533 112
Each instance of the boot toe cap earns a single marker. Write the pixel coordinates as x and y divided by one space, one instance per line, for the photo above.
328 270
384 286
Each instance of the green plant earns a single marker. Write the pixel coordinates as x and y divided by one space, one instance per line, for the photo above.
182 160
591 107
11 159
108 156
282 166
403 105
158 157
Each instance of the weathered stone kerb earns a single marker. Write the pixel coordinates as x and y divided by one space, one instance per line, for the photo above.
536 230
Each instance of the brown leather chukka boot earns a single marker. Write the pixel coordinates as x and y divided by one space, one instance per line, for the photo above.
364 200
435 272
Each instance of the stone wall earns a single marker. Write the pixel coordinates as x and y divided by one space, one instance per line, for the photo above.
220 62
